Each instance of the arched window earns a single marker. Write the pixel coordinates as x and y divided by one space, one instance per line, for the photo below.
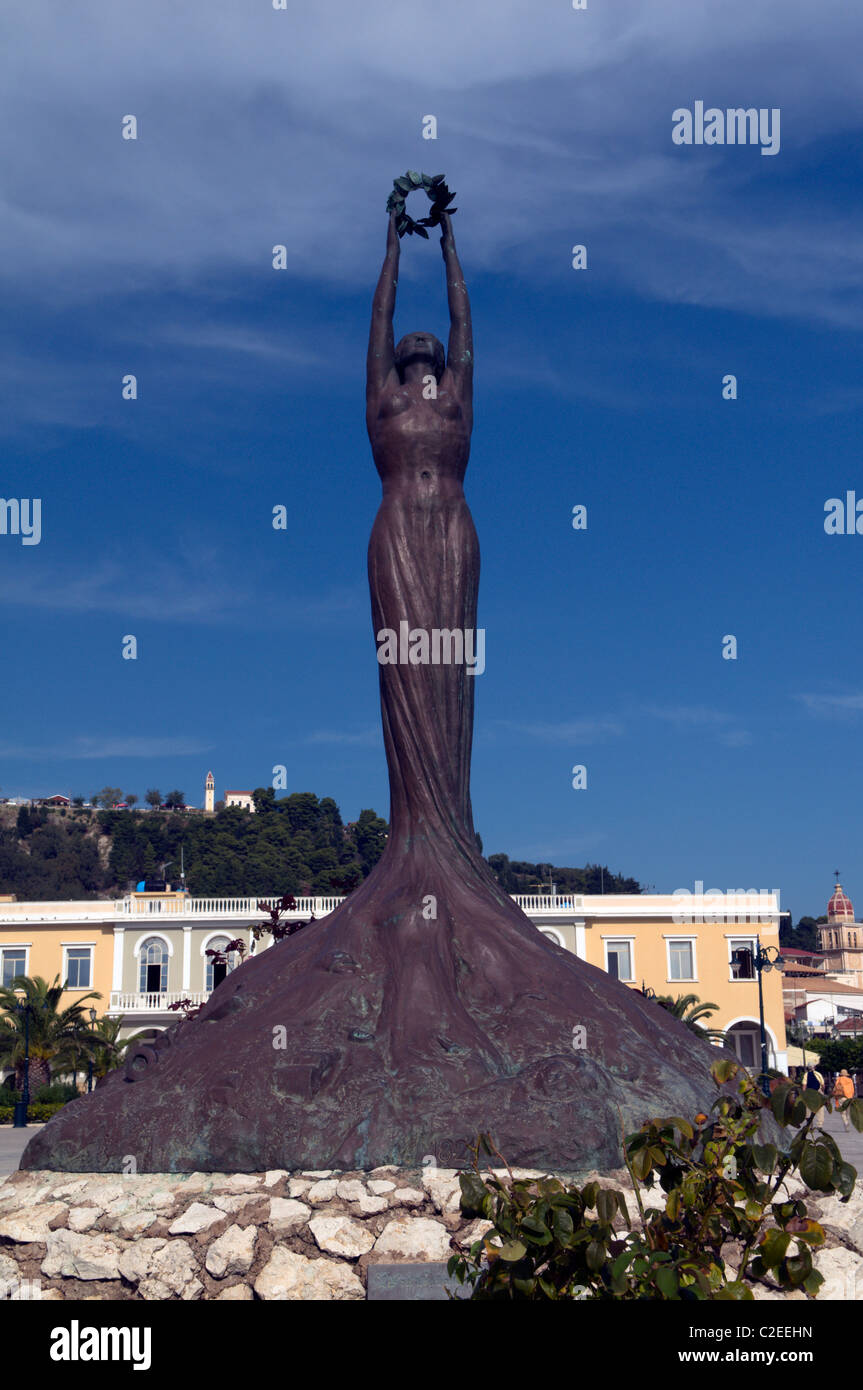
215 972
154 966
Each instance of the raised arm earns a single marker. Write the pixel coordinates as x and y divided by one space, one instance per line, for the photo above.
460 347
381 357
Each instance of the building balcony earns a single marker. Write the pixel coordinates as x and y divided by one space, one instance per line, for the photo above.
131 1002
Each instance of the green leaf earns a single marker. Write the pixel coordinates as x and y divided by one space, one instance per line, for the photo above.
765 1156
666 1282
595 1255
420 231
536 1231
562 1225
415 178
724 1071
736 1292
403 184
804 1228
589 1194
797 1268
773 1246
606 1205
642 1163
473 1193
813 1100
855 1113
844 1177
513 1251
816 1167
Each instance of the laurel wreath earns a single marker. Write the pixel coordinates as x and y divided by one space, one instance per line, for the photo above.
439 197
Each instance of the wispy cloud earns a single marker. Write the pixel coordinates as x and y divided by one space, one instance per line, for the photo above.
197 588
842 706
248 137
569 731
95 748
723 726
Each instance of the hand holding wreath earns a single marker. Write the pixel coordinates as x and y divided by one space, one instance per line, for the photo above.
438 194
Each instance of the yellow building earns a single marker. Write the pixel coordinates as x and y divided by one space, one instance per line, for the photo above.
148 950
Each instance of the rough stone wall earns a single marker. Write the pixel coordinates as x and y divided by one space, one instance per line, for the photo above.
275 1235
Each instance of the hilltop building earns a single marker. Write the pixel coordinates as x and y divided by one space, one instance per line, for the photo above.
243 799
210 793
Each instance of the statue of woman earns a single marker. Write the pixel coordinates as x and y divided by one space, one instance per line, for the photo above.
424 554
426 1008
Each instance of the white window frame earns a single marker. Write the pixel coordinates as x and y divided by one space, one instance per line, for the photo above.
89 947
620 940
692 942
752 943
165 966
207 944
16 946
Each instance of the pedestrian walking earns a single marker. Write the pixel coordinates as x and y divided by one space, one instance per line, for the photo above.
843 1090
814 1081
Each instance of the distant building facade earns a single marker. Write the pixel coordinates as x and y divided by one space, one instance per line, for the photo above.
148 950
243 799
210 793
841 940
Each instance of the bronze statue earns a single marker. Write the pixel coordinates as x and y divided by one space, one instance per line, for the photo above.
427 1007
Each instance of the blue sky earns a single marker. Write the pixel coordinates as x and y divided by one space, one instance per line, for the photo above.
601 387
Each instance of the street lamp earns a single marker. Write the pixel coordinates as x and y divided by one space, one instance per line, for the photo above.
92 1013
765 958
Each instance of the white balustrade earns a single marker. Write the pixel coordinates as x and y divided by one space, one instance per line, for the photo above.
130 1001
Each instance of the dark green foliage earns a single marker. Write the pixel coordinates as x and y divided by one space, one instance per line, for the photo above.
295 844
517 876
803 937
36 1114
723 1207
55 1094
835 1054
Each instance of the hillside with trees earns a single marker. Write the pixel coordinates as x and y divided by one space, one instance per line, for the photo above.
294 844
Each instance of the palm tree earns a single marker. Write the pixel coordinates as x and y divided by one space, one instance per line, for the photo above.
689 1009
107 1052
55 1034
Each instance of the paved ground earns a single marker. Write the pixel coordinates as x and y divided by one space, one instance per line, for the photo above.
12 1145
849 1141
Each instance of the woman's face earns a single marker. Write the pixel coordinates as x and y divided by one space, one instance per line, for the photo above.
420 347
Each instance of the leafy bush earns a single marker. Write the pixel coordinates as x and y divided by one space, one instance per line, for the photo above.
36 1114
59 1091
550 1240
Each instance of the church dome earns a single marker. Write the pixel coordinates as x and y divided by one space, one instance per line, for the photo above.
840 907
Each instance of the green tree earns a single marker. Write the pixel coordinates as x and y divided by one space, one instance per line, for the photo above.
689 1009
109 796
56 1035
153 797
370 837
175 799
131 800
